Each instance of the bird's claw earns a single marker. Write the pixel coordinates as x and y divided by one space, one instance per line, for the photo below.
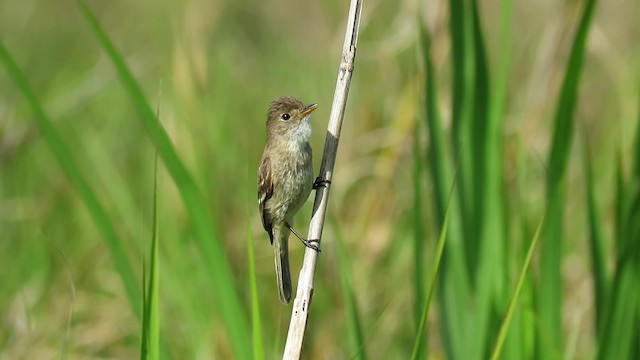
308 243
311 244
321 182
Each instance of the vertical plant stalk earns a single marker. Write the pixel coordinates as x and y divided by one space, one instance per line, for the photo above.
302 302
150 347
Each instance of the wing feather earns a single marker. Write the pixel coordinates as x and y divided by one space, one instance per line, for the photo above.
265 191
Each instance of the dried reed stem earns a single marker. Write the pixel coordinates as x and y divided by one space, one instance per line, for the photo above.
302 302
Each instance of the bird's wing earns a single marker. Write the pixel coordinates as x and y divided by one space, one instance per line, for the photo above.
265 191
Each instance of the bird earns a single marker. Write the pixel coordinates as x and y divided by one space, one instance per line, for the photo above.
285 180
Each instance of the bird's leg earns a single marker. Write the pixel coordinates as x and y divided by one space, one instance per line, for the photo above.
308 243
321 182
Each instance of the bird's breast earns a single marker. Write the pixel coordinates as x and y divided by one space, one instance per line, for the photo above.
294 180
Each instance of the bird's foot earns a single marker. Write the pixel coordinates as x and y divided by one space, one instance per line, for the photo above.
321 182
311 244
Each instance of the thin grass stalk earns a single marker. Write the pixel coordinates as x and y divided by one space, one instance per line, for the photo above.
144 332
304 294
418 230
636 158
418 352
504 327
149 347
256 323
620 202
80 183
154 278
519 338
257 338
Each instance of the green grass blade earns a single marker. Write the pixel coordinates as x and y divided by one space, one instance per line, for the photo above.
437 151
596 243
417 347
504 327
550 290
504 59
454 280
618 337
636 158
354 327
154 278
462 57
493 259
256 323
479 134
79 182
620 203
144 333
619 334
563 122
150 317
419 237
227 298
520 338
488 244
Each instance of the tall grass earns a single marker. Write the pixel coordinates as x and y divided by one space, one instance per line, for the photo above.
469 144
474 304
63 155
205 234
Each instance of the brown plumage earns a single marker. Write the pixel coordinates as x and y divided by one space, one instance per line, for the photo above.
285 178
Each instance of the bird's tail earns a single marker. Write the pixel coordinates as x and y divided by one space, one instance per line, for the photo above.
281 252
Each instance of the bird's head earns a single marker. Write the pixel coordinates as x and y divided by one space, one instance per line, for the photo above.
288 119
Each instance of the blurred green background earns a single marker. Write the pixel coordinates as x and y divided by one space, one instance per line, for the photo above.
210 69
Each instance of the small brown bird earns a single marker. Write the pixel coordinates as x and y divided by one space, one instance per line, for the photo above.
285 179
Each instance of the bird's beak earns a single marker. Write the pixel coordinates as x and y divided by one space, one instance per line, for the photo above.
308 110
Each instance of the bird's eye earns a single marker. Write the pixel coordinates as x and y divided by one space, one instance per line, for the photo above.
285 116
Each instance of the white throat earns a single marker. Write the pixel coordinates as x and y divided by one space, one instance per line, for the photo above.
299 135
